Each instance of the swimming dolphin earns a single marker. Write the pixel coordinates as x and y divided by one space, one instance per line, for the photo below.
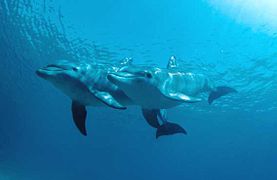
86 84
155 89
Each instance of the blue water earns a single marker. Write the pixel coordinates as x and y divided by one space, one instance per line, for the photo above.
235 138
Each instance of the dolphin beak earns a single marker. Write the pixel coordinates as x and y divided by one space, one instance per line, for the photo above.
120 78
49 70
114 78
42 73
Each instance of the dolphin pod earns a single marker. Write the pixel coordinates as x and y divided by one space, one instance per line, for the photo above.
118 86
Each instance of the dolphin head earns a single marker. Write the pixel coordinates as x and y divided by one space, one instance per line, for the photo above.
60 72
66 76
131 75
141 84
132 78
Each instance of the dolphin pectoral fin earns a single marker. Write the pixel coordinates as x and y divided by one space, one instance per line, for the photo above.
182 97
79 114
220 91
169 129
107 99
151 116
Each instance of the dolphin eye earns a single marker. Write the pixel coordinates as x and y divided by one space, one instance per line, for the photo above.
75 69
149 75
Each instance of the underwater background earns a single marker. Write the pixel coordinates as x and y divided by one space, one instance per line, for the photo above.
232 42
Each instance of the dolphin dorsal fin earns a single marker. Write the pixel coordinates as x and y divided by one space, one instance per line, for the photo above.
172 63
126 61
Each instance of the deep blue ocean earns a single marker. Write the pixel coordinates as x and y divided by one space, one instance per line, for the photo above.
232 42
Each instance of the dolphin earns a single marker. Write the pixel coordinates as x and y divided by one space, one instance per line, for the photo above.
156 89
87 85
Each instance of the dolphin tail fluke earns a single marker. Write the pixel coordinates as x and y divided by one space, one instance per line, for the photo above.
169 129
220 91
79 114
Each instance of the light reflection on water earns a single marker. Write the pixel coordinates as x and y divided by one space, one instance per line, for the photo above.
39 26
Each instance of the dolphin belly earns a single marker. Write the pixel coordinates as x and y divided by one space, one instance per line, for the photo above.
80 93
157 101
86 98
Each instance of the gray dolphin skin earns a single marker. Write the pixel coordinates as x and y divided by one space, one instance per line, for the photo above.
87 85
155 89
